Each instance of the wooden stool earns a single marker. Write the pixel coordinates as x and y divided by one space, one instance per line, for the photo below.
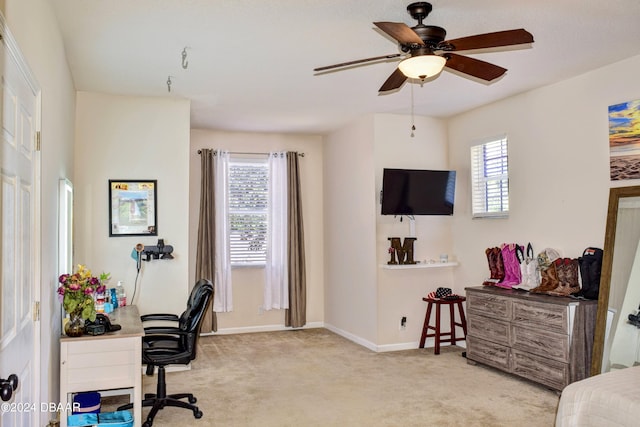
437 332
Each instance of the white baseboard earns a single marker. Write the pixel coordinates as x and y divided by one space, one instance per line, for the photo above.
263 328
429 343
351 337
400 346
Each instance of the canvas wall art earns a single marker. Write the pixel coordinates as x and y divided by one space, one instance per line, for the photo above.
624 140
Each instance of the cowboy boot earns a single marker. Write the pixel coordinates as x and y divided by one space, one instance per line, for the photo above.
574 281
573 276
492 280
549 280
567 269
497 253
563 284
496 267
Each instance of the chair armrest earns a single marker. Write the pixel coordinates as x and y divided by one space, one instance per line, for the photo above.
162 330
159 316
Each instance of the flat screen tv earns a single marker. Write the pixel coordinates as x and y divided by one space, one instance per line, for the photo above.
418 192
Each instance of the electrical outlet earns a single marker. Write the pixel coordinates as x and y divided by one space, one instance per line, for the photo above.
403 323
260 310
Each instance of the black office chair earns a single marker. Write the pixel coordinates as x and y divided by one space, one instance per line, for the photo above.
177 323
176 344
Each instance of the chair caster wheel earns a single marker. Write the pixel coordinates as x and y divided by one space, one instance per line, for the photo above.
192 400
197 413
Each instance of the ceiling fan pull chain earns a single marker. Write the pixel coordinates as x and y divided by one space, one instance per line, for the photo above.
413 125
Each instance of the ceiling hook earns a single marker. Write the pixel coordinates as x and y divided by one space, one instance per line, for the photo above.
185 63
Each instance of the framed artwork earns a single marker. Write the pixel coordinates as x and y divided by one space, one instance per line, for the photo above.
133 207
624 140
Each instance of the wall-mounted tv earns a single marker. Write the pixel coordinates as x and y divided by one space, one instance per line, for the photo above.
418 192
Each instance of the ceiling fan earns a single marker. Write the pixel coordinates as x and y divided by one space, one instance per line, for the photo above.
426 52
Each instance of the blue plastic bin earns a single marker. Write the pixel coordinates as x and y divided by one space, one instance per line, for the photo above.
86 403
105 419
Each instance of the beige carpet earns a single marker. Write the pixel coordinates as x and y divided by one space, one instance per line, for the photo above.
314 377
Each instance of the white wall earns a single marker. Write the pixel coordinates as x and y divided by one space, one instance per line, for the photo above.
400 292
248 282
558 166
127 137
365 302
350 204
33 24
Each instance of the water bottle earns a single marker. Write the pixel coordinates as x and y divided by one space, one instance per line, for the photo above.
120 294
114 297
99 302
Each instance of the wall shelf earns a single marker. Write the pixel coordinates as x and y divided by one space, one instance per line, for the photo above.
420 265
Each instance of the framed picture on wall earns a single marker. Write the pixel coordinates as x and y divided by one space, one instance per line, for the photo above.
133 207
624 140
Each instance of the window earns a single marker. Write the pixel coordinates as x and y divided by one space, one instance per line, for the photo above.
490 179
248 195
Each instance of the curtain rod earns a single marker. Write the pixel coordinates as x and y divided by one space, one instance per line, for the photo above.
249 153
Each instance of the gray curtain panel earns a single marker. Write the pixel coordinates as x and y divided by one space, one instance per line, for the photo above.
296 314
205 253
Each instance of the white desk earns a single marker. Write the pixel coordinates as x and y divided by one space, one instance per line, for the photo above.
104 362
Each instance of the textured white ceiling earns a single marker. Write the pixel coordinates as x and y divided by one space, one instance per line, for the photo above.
251 61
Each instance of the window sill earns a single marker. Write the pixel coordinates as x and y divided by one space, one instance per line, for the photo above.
248 265
490 216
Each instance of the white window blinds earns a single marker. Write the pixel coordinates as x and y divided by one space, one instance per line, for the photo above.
490 179
248 190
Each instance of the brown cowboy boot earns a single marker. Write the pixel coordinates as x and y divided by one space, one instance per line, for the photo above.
549 280
496 266
567 269
499 263
574 275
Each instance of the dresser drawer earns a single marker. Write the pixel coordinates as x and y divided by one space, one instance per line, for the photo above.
494 306
539 369
100 364
488 353
533 314
541 341
486 328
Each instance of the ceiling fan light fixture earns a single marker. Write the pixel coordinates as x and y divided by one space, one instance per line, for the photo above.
422 66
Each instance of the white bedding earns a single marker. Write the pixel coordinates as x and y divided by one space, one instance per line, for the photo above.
606 400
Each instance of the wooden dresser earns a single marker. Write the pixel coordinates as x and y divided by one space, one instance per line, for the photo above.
534 336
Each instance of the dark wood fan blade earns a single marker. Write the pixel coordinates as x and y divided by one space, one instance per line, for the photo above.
474 67
400 32
394 81
499 38
357 61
